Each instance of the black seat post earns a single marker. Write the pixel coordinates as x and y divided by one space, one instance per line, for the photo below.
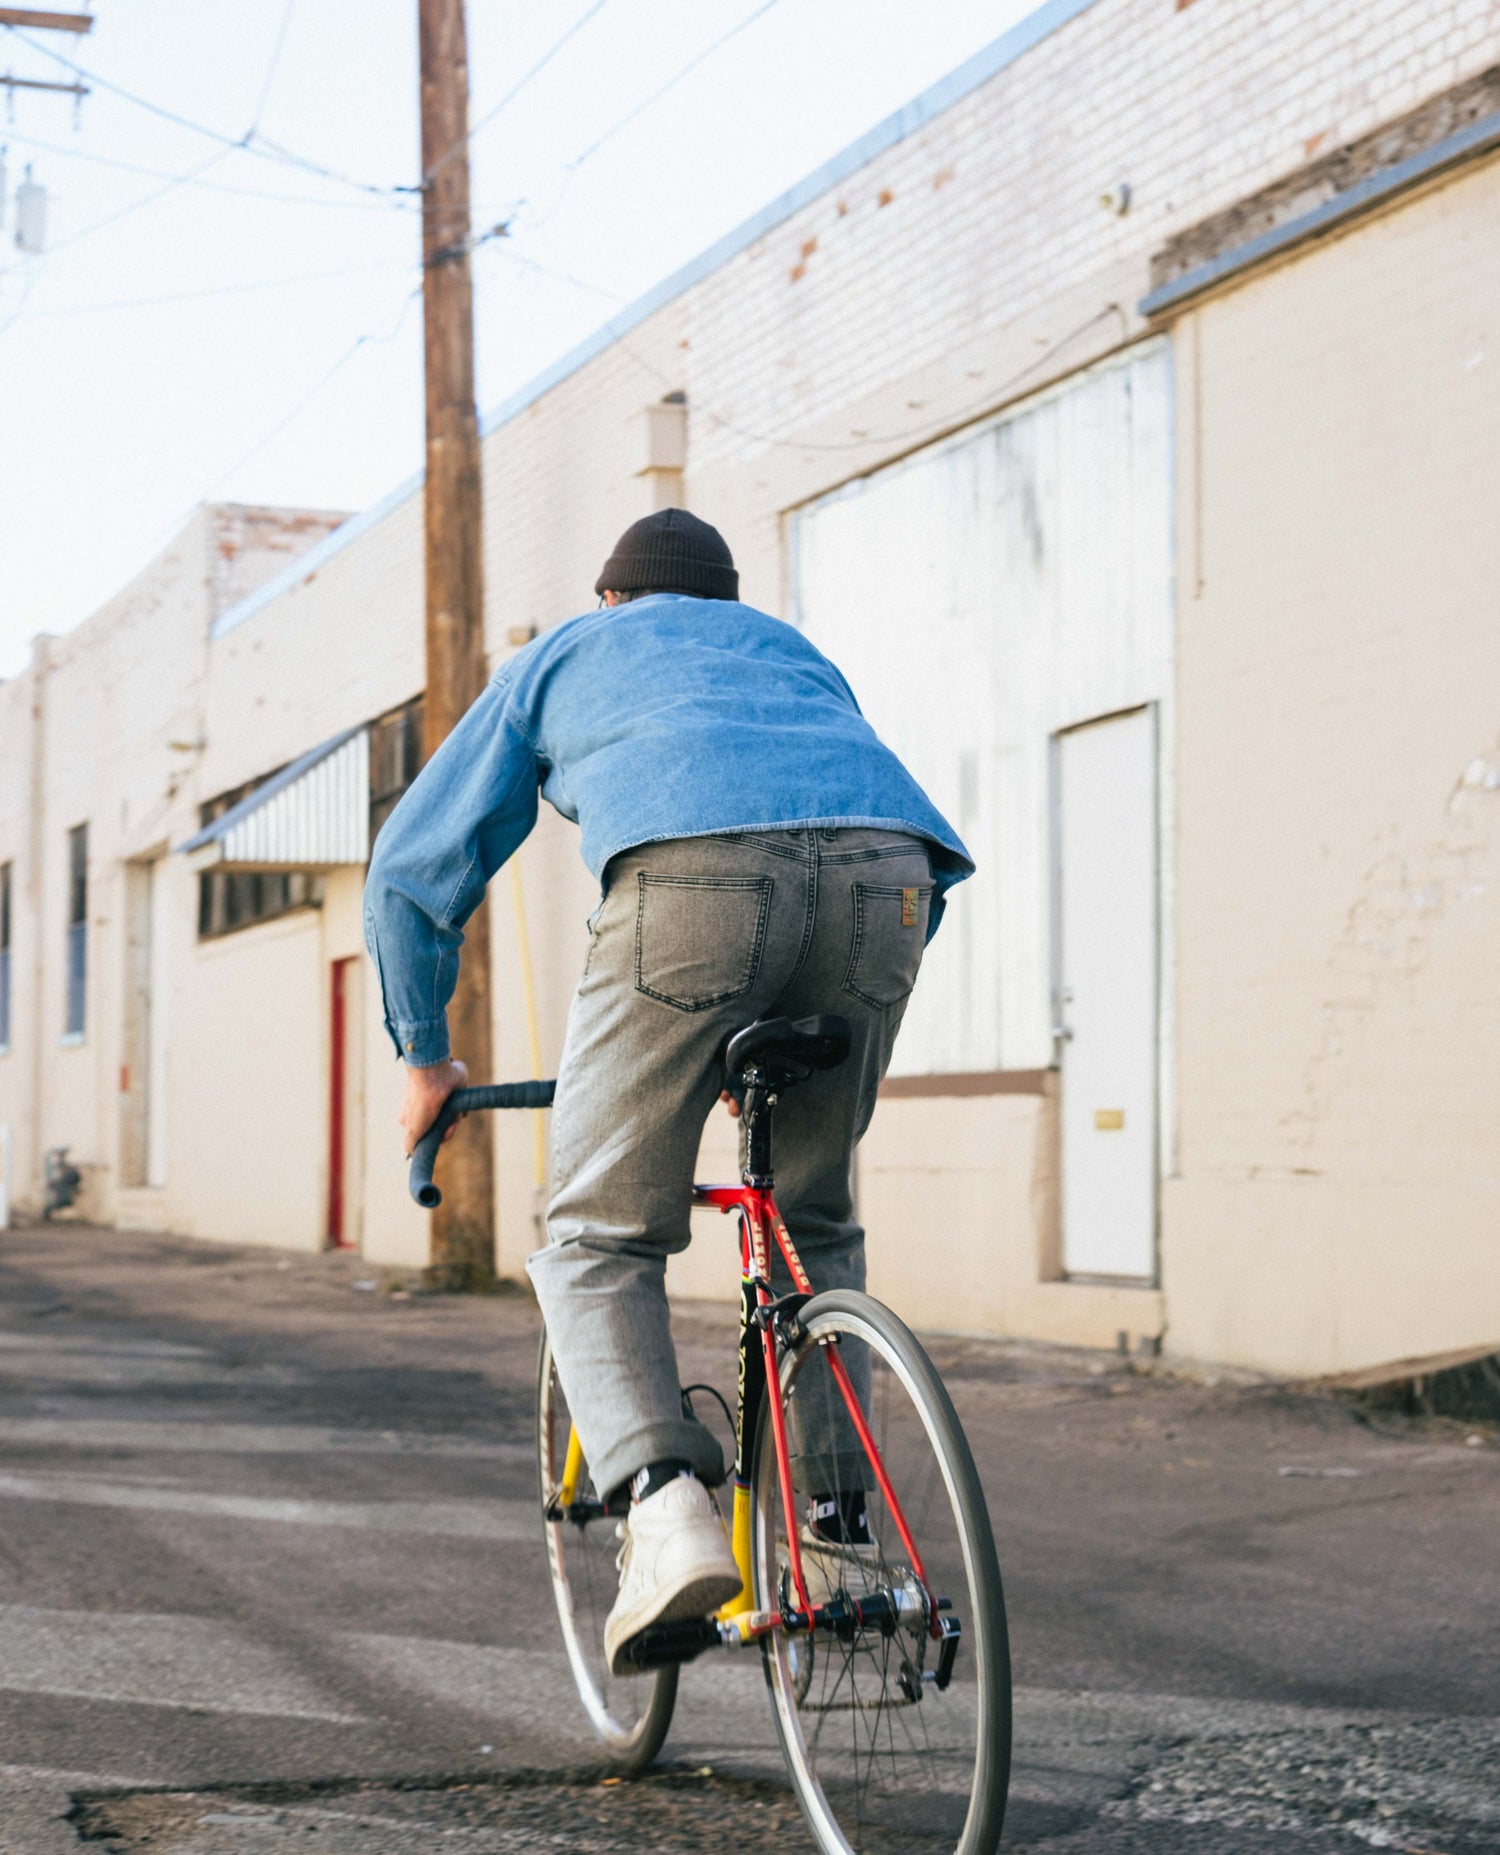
771 1055
760 1103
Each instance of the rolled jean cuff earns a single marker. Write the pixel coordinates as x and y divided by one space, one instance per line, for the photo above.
681 1439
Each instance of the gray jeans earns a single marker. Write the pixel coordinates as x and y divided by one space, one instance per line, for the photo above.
696 937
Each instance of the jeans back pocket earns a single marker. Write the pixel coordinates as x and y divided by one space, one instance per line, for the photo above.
699 939
890 931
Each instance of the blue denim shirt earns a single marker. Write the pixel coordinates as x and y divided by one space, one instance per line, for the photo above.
669 716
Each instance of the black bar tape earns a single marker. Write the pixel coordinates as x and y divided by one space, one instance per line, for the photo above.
465 1101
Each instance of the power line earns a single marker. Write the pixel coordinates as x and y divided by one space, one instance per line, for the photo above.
227 289
173 182
991 399
135 206
368 339
257 144
251 143
27 286
254 143
270 76
656 95
529 263
571 168
209 186
515 90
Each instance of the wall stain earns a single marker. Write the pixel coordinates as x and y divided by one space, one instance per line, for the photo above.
1389 931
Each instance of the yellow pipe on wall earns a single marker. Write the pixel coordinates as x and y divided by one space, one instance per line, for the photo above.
533 1027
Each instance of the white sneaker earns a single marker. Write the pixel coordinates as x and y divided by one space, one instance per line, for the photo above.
675 1564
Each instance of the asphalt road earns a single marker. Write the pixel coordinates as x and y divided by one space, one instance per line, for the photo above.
270 1578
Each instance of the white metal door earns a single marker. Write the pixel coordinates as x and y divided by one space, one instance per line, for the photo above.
1107 965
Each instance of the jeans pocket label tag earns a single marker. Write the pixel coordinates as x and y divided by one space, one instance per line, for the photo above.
911 906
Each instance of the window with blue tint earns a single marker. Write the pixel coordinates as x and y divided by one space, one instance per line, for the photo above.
78 929
5 870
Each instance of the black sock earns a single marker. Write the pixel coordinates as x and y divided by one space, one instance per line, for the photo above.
840 1517
656 1475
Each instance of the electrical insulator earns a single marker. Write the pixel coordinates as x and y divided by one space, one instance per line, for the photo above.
31 215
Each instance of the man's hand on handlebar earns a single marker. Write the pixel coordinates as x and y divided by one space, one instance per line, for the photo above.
423 1097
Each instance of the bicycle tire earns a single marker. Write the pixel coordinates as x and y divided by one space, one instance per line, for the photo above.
927 1800
632 1715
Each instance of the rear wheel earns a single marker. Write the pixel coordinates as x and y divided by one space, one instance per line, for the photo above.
896 1730
631 1715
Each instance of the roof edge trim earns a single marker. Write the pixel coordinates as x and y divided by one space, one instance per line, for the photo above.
1476 138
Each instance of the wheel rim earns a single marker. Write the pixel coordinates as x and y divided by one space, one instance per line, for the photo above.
581 1561
881 1758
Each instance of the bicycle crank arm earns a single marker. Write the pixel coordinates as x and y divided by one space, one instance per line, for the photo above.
660 1645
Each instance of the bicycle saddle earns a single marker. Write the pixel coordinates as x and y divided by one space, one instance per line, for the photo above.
786 1050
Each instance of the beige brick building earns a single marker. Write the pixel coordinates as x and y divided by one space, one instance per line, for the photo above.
1124 417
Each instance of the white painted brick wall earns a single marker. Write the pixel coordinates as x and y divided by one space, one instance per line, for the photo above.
1194 109
116 693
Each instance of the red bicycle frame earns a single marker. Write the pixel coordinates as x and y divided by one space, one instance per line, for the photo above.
761 1224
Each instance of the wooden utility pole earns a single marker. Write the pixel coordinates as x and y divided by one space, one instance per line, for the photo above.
463 1228
46 22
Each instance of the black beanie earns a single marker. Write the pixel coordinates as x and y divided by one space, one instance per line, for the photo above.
671 552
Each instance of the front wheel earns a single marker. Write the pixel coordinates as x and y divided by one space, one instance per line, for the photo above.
630 1715
895 1727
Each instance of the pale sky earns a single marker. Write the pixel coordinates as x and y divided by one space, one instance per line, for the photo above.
230 325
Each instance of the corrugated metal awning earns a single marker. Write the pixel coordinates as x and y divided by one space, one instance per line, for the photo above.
313 814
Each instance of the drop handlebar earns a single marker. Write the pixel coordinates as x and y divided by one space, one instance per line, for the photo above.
464 1101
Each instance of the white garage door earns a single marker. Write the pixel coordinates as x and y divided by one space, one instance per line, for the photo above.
981 597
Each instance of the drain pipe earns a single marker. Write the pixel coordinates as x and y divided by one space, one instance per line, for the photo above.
41 670
534 1039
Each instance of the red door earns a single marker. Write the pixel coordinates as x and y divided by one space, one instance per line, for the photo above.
338 1094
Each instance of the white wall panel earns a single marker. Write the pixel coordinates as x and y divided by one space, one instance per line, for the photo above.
979 596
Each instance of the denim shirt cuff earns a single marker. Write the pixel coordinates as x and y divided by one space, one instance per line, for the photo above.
422 1044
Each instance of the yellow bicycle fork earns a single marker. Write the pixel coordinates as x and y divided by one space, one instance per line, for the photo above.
740 1605
572 1469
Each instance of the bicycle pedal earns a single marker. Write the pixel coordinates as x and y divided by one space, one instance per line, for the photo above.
950 1632
660 1645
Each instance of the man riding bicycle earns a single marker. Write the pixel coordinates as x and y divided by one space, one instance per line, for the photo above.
760 853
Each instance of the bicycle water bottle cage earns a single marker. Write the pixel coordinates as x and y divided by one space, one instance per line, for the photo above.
781 1051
